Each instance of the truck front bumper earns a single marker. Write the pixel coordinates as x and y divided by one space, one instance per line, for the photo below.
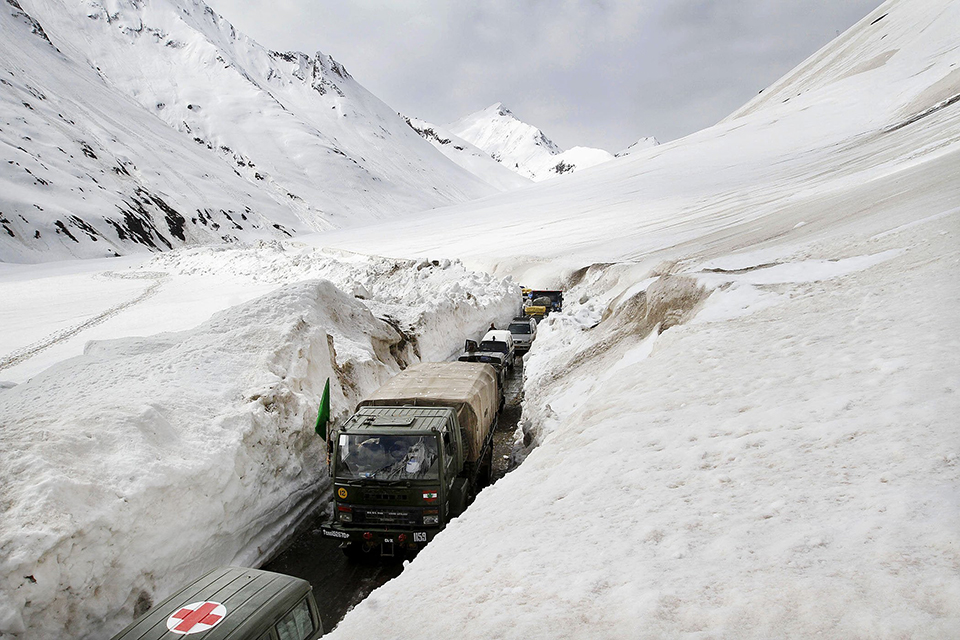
385 541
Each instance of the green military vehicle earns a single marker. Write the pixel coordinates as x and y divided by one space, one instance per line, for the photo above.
232 603
412 457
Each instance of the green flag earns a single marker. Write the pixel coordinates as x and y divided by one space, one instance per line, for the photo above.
323 415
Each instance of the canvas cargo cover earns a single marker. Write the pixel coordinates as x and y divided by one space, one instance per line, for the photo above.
469 387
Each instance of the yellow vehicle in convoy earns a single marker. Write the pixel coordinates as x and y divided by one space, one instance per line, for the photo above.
538 303
412 457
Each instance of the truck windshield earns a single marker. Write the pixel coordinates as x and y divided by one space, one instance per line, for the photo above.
493 345
387 457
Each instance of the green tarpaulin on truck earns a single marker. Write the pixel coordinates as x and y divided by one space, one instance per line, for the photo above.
469 387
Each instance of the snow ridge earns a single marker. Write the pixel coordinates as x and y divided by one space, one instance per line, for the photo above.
522 147
468 156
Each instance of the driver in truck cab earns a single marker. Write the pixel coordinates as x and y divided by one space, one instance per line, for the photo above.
391 456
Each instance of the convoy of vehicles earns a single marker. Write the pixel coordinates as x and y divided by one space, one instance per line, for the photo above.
412 457
232 603
538 303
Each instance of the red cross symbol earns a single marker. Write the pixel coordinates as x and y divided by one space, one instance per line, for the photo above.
196 617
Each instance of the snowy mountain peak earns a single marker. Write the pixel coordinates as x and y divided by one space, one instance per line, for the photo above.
522 147
502 111
641 144
472 158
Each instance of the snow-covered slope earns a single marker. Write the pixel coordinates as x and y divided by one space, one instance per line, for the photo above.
522 147
639 145
314 149
468 156
87 172
745 415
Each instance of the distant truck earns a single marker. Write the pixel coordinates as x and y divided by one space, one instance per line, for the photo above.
412 457
232 603
472 353
540 303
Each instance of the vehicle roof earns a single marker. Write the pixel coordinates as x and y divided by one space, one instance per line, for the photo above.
482 356
497 335
398 420
254 601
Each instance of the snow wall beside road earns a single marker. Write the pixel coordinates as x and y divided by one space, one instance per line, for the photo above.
147 461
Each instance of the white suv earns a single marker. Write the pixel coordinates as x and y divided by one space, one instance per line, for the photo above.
499 341
523 330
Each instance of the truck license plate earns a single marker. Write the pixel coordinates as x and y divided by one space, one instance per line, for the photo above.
419 536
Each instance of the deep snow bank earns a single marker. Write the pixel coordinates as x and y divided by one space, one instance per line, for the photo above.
436 303
207 432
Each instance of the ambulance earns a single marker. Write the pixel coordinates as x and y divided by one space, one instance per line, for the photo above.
232 603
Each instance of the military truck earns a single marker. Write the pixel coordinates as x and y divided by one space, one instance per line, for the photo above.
497 359
232 603
412 457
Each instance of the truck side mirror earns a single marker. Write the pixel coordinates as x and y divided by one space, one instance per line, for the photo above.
330 437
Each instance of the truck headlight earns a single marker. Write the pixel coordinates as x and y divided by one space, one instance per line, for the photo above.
345 514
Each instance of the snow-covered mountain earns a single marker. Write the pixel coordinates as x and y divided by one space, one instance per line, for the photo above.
468 156
136 124
639 145
522 147
744 419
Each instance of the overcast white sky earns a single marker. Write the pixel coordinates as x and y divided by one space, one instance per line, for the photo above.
598 73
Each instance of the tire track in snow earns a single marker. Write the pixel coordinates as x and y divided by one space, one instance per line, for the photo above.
27 352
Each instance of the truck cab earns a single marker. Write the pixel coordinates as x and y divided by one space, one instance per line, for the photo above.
412 457
395 475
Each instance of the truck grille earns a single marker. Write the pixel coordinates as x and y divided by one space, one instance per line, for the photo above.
386 516
386 496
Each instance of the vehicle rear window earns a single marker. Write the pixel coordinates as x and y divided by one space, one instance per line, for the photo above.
296 625
520 327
